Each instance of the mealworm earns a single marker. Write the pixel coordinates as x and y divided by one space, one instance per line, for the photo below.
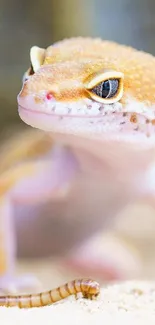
89 289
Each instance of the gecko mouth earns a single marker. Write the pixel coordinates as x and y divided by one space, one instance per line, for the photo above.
114 124
71 116
84 107
87 117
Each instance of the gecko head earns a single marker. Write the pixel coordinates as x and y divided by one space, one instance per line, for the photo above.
88 86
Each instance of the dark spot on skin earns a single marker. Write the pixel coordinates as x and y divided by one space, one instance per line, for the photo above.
137 128
133 118
122 122
147 121
125 114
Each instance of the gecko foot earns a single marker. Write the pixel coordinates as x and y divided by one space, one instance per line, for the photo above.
108 257
13 285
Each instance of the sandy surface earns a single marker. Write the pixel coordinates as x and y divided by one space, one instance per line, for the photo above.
126 303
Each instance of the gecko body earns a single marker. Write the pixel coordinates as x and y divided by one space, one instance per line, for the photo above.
18 163
96 101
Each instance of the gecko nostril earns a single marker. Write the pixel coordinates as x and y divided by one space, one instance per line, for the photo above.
49 96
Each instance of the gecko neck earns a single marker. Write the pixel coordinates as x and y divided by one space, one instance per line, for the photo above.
124 159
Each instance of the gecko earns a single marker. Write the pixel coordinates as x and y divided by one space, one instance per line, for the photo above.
94 99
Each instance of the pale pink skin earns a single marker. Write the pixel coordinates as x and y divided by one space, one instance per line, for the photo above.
30 197
103 182
97 195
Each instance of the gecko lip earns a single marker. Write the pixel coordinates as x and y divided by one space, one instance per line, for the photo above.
114 126
53 114
84 107
87 117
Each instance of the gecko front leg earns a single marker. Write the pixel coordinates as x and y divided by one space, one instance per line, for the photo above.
8 282
31 182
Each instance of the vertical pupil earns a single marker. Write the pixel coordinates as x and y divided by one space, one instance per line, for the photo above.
105 88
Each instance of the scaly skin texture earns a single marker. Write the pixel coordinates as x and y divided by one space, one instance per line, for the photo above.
70 63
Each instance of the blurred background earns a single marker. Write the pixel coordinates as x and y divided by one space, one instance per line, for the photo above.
42 22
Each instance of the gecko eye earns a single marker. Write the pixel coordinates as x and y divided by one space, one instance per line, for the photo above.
106 87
